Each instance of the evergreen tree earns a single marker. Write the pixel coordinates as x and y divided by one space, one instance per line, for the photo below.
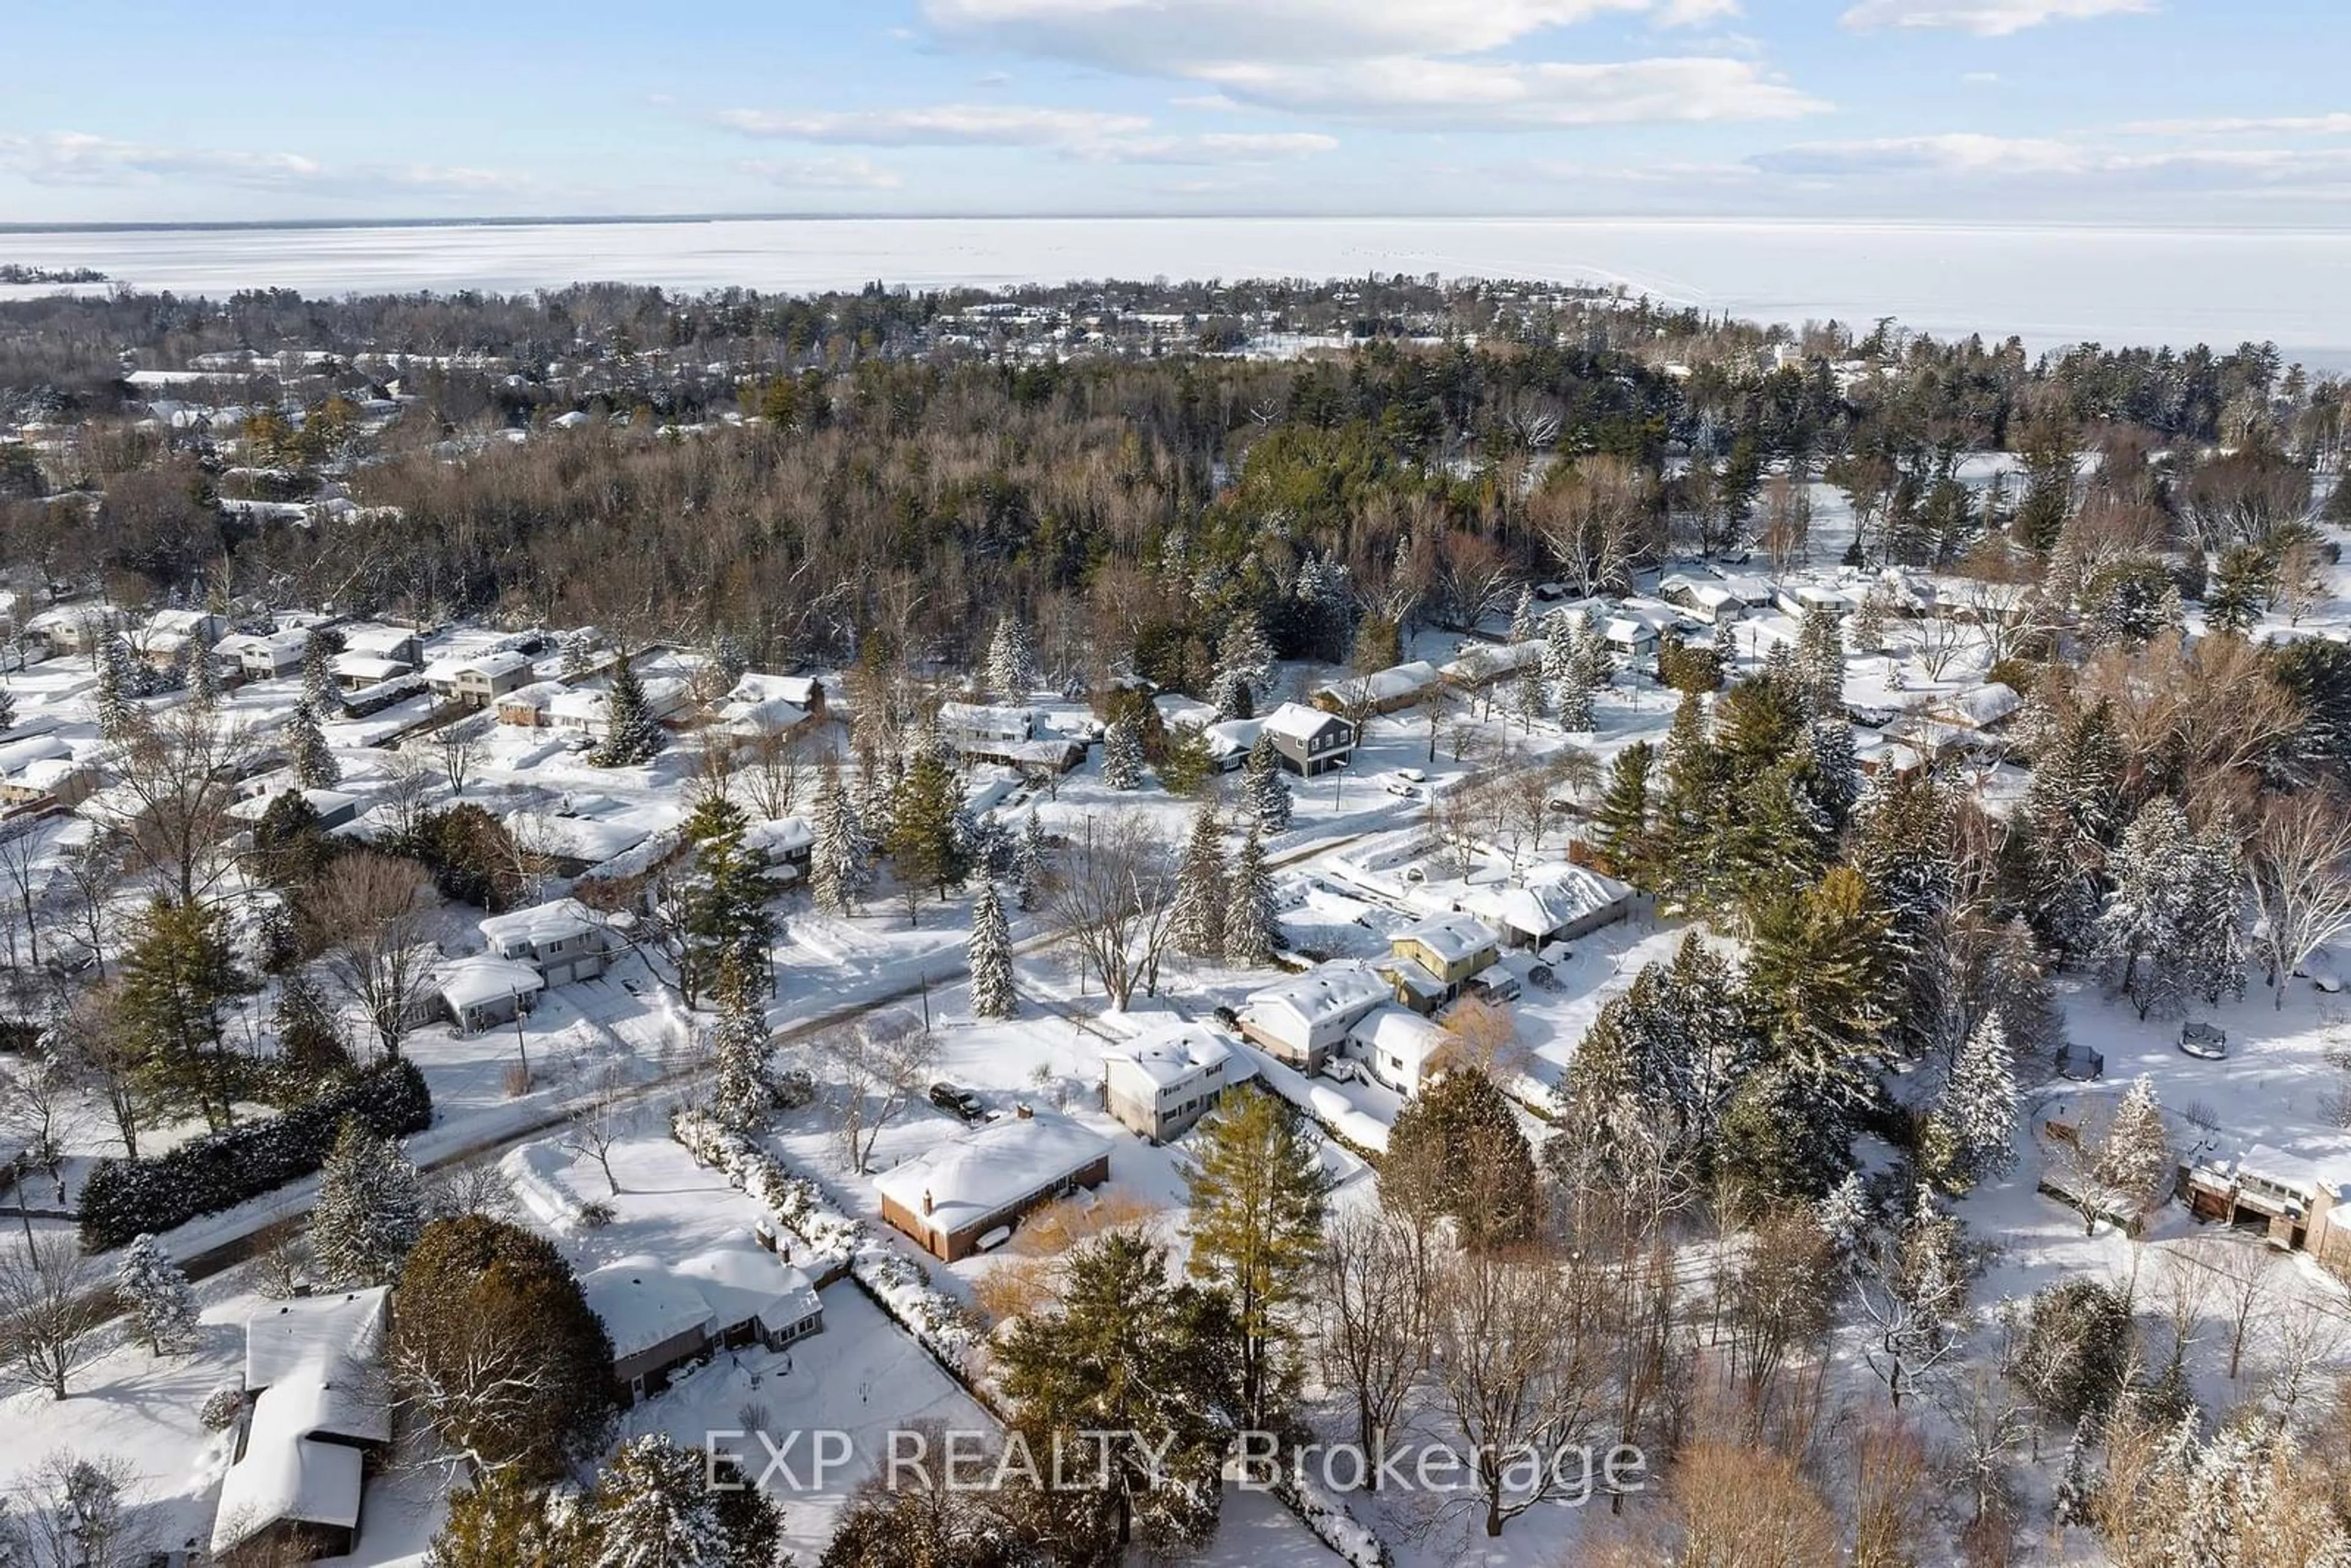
724 663
315 766
7 710
319 692
1970 1135
989 953
1246 669
1147 1368
1121 766
632 734
2240 586
1522 617
496 1349
741 1093
1033 861
158 1295
1528 697
840 861
576 652
499 1520
1834 779
1682 863
923 839
2063 827
1253 927
1186 765
2075 1487
653 1507
1266 787
2173 927
1197 922
1819 661
203 682
1257 1198
1011 662
1620 824
1868 627
718 903
1457 1150
116 716
2134 1158
178 972
370 1211
1821 968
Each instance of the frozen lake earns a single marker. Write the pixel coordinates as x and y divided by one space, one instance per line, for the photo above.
2049 285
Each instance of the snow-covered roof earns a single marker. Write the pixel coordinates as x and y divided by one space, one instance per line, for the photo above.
1487 659
311 1334
537 694
1979 706
1550 900
1173 1051
286 1474
179 622
1392 684
643 1304
990 1168
771 715
471 982
1398 1031
558 920
781 836
1296 721
986 718
1176 710
279 645
742 1283
1452 937
489 666
367 667
590 838
756 686
16 754
1325 992
372 637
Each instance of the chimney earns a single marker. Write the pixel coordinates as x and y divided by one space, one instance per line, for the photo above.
1027 1112
926 1203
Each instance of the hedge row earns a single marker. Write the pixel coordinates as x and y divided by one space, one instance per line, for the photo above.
124 1197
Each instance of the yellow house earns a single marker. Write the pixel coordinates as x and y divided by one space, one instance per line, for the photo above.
1427 963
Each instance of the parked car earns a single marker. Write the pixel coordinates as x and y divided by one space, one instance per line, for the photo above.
961 1104
1398 784
1496 985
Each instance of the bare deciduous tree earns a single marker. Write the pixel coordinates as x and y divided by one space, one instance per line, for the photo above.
1112 901
2301 880
461 746
177 777
883 1063
369 918
1373 1343
52 1304
600 1119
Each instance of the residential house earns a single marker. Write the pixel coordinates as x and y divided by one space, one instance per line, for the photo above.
484 992
1302 1021
1710 598
1391 690
788 840
2290 1199
526 706
663 1316
375 640
41 769
1015 736
357 671
73 628
964 1195
587 710
1483 665
316 1411
479 681
759 708
754 1297
1555 904
172 635
334 807
563 940
1429 961
1403 1049
1982 708
262 656
1308 741
1799 597
1162 1082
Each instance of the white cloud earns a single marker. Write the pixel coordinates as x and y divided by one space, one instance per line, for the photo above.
848 173
1218 147
2281 125
1987 18
74 158
1172 36
2043 163
1428 94
944 125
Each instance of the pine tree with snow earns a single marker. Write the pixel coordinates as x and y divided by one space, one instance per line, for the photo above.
1253 927
1970 1135
2075 1485
2132 1163
7 710
1121 766
1868 624
2173 927
1845 1215
1245 668
1620 824
1265 788
632 734
840 861
2211 923
1012 671
203 682
116 716
1522 617
313 761
576 653
369 1211
1820 659
157 1292
989 954
725 661
653 1507
1834 782
742 1095
1196 923
1526 695
1032 862
318 690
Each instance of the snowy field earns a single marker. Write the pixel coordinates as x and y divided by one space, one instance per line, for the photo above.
2049 285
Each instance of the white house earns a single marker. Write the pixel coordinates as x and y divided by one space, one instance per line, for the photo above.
1162 1082
1556 903
561 939
1303 1020
1382 691
73 628
589 710
484 992
1403 1049
263 656
1982 708
480 681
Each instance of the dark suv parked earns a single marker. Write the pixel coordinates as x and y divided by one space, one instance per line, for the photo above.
957 1101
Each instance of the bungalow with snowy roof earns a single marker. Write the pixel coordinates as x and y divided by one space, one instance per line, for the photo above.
526 706
657 1322
73 628
1429 961
334 807
316 1411
375 640
1799 597
762 706
586 710
1707 597
562 939
41 769
1555 904
484 992
172 635
754 1297
964 1195
1403 1049
1158 1084
1983 707
1307 740
355 672
480 680
1302 1021
262 655
1397 687
1482 664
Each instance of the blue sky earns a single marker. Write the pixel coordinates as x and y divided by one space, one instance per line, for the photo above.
2220 113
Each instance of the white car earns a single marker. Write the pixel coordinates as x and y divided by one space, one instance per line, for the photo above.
1398 784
